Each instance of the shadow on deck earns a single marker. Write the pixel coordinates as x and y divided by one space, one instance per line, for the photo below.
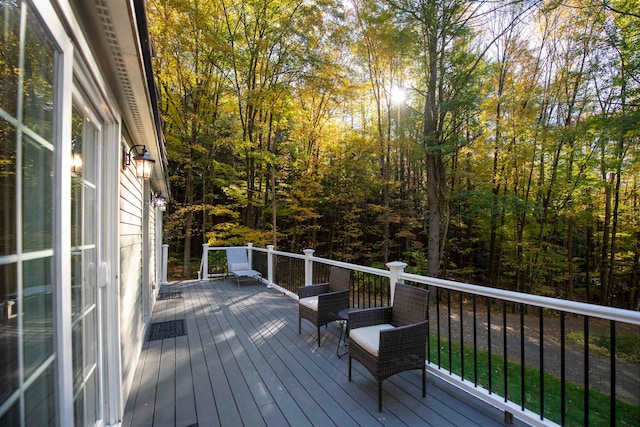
242 362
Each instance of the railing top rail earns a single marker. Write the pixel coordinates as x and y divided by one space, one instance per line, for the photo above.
585 309
223 248
289 254
592 310
356 267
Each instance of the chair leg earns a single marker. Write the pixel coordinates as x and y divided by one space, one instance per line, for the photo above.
379 395
299 325
318 336
349 368
424 381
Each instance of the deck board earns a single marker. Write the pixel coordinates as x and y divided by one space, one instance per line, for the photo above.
243 362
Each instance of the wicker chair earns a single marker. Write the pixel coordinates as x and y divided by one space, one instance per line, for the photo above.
321 303
389 340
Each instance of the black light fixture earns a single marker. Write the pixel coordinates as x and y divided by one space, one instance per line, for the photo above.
144 162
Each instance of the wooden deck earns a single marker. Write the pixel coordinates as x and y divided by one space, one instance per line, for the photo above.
242 362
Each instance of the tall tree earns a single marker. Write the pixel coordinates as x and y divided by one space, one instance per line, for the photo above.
189 67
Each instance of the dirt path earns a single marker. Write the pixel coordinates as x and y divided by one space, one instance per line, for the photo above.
627 374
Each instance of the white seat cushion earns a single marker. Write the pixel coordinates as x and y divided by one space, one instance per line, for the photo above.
368 337
310 302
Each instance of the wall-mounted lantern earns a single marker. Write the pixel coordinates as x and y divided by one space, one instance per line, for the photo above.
160 202
143 162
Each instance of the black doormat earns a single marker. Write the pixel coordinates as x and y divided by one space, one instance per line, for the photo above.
169 295
170 329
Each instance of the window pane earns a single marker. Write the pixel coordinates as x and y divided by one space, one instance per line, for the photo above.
76 210
90 344
77 346
11 417
7 188
8 332
37 297
89 142
92 403
89 278
39 73
78 411
76 283
37 203
39 400
9 46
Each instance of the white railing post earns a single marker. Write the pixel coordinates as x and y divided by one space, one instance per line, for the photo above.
250 254
308 267
270 265
204 274
395 268
165 261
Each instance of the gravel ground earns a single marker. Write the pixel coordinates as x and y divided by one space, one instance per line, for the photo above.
627 374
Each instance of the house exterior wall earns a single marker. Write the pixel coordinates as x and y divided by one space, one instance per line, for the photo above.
78 256
131 290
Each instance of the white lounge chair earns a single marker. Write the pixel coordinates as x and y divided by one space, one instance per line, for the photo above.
238 265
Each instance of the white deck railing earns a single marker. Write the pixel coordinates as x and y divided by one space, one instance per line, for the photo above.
396 274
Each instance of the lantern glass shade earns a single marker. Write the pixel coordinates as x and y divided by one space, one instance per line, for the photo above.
161 204
144 164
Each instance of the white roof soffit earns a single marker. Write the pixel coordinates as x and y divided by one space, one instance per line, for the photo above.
113 33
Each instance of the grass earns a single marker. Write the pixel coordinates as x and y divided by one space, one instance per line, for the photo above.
599 403
627 346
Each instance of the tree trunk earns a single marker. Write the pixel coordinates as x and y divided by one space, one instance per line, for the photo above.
604 260
188 222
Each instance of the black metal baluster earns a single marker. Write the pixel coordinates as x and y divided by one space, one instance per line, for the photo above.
562 370
367 285
377 290
504 348
359 292
429 334
586 370
438 322
612 417
449 327
490 368
541 358
522 361
475 344
461 338
352 289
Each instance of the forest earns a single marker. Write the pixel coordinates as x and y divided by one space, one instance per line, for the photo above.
495 142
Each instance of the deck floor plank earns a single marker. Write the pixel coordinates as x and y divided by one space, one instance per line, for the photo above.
301 385
243 362
205 404
280 394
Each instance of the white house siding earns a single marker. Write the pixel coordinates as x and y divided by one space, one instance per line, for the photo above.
154 255
131 308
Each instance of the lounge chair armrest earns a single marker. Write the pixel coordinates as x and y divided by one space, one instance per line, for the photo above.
369 316
312 290
404 340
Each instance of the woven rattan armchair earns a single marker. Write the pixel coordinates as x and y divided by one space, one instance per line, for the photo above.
390 340
321 303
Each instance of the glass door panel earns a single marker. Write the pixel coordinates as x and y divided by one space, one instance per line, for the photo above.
29 98
84 268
